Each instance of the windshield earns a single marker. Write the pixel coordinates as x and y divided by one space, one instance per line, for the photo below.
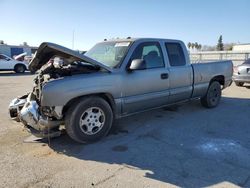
109 53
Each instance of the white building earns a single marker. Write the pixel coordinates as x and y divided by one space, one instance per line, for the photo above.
12 50
242 47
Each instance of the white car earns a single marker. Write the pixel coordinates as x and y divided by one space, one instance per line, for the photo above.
7 63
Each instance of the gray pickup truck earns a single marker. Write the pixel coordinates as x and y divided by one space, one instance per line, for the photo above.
114 79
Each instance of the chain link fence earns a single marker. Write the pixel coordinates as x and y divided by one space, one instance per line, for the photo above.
236 57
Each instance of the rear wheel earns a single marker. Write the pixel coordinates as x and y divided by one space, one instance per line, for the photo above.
89 120
19 68
240 84
213 95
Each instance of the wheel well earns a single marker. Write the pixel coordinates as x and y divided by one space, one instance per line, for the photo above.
219 78
106 96
18 65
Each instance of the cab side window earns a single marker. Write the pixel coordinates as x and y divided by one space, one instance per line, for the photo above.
2 57
151 53
175 54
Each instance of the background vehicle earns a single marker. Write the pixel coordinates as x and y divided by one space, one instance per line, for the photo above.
242 73
7 63
23 57
114 79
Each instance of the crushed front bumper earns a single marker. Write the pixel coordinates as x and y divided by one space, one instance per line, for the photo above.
26 110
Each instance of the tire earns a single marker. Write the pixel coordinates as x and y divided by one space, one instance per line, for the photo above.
19 68
240 84
89 120
213 95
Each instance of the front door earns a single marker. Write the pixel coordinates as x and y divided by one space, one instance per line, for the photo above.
5 63
148 88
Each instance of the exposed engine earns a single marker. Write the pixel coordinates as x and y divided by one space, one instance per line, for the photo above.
55 69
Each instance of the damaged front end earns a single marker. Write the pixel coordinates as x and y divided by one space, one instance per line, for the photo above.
26 110
51 62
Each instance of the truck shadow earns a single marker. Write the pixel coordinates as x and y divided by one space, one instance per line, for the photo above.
187 146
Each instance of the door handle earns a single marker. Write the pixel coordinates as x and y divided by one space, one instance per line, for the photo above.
164 76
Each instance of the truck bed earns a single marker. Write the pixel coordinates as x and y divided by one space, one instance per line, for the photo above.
203 72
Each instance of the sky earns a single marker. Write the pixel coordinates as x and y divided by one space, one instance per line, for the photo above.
91 21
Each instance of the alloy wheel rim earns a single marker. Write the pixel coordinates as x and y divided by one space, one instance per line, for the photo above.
92 120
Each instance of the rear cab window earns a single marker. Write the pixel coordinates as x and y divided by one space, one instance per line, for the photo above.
175 54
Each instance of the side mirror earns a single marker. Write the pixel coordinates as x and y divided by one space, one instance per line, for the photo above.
137 64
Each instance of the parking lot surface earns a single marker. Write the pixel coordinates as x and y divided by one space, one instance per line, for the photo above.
183 146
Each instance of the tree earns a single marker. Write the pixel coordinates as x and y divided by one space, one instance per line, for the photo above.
196 45
189 45
1 42
192 45
220 45
228 46
199 46
25 44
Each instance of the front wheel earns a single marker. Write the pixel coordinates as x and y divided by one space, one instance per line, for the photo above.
19 68
213 95
89 120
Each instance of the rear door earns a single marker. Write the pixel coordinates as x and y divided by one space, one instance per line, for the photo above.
180 73
148 88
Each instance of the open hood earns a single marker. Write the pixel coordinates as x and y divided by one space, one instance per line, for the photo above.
20 55
47 50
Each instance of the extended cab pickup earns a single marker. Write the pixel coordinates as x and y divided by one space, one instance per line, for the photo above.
85 93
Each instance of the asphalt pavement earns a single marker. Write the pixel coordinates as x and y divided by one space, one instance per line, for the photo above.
183 146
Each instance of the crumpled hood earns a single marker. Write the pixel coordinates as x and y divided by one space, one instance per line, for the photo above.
47 50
